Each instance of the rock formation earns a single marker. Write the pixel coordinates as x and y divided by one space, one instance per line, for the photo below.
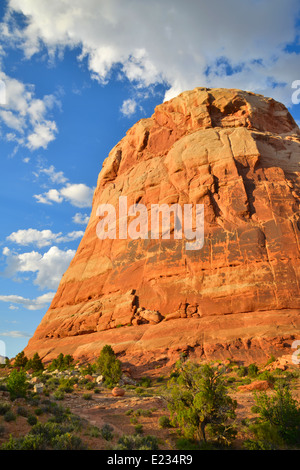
238 154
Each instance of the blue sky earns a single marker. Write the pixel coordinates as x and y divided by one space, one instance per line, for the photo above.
77 76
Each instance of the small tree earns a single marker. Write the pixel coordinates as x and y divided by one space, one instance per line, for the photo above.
16 384
198 401
35 363
20 360
109 366
278 422
61 362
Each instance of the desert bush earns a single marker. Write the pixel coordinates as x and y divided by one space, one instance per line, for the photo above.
252 370
278 424
52 383
142 412
138 429
61 362
109 366
107 432
9 416
145 382
22 411
4 407
45 436
87 396
32 420
17 384
134 420
199 402
20 360
66 385
242 371
128 442
164 422
189 444
35 363
94 431
67 441
58 395
266 375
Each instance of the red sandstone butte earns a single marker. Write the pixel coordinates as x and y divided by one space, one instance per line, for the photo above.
236 152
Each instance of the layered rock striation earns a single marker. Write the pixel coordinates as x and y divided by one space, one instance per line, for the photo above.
238 154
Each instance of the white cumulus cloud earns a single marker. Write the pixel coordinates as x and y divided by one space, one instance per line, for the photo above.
49 267
27 115
42 238
81 219
181 44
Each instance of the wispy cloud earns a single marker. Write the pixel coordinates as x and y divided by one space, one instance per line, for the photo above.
15 334
38 303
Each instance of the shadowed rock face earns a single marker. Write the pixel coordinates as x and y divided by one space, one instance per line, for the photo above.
238 154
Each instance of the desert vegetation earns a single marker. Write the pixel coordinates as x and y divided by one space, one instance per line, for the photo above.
193 406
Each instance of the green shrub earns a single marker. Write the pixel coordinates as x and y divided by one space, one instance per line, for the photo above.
22 411
35 363
266 375
61 362
252 370
58 395
107 432
186 444
242 371
46 436
128 442
17 384
94 431
4 407
198 402
278 422
145 382
141 412
109 366
164 422
32 420
90 386
134 420
66 385
9 416
67 441
20 360
138 429
87 396
52 383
